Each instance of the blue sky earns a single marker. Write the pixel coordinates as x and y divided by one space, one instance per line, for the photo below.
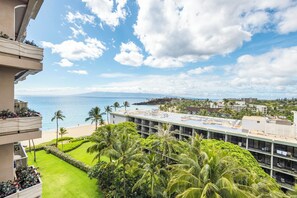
193 48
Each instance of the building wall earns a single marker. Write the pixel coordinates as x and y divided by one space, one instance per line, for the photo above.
115 119
6 165
7 16
7 88
253 124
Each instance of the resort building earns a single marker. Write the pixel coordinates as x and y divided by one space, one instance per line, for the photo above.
17 61
272 142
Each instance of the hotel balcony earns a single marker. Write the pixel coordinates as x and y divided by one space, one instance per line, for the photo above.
26 58
19 129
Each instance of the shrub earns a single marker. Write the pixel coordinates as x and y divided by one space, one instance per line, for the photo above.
67 158
7 188
27 177
72 145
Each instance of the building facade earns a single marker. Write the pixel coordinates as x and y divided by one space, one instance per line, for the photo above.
17 61
275 151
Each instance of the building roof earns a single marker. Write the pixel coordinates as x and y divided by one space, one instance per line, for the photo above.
221 125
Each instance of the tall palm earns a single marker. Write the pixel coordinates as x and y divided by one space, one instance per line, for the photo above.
165 141
95 115
58 115
210 174
153 175
124 152
103 140
116 105
126 104
63 131
108 109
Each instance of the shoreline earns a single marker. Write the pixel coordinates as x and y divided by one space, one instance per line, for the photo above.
74 131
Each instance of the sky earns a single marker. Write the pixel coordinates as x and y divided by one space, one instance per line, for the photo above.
193 48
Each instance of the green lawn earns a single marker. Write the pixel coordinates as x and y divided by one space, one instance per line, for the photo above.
81 154
61 179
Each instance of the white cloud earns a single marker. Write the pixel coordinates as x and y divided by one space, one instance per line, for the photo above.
76 31
130 55
274 68
72 50
80 72
201 70
108 11
272 74
65 63
115 75
190 30
77 17
288 22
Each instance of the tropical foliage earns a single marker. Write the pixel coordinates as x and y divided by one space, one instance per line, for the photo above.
161 166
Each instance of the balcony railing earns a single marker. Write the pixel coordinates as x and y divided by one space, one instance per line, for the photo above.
20 156
11 126
20 49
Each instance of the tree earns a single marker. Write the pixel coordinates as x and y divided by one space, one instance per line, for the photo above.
126 104
125 151
58 115
103 140
208 174
108 109
166 140
154 175
95 116
63 131
116 105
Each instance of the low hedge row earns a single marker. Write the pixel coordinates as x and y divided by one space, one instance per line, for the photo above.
72 145
67 158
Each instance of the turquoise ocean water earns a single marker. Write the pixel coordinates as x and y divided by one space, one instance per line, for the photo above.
76 108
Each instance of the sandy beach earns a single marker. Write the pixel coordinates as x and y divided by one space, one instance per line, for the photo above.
78 131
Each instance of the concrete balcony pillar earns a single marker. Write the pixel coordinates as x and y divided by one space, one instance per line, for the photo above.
6 165
7 88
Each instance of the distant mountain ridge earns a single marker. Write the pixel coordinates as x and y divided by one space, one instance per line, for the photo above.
121 95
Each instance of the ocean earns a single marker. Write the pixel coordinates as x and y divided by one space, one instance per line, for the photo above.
76 108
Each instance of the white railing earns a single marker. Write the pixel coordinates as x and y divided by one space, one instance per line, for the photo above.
20 49
19 125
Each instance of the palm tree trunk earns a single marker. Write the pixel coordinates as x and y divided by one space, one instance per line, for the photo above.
57 134
34 150
96 123
107 118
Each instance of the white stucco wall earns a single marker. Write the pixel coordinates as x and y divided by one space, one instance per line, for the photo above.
115 119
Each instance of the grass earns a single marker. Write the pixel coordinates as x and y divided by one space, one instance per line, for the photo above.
81 154
61 179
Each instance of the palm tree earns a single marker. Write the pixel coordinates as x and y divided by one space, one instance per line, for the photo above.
154 175
126 104
210 174
95 116
63 131
103 140
125 151
108 109
58 116
116 105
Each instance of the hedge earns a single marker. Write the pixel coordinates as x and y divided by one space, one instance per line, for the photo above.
67 158
72 145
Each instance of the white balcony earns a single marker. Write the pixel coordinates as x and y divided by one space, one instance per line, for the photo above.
20 49
20 129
